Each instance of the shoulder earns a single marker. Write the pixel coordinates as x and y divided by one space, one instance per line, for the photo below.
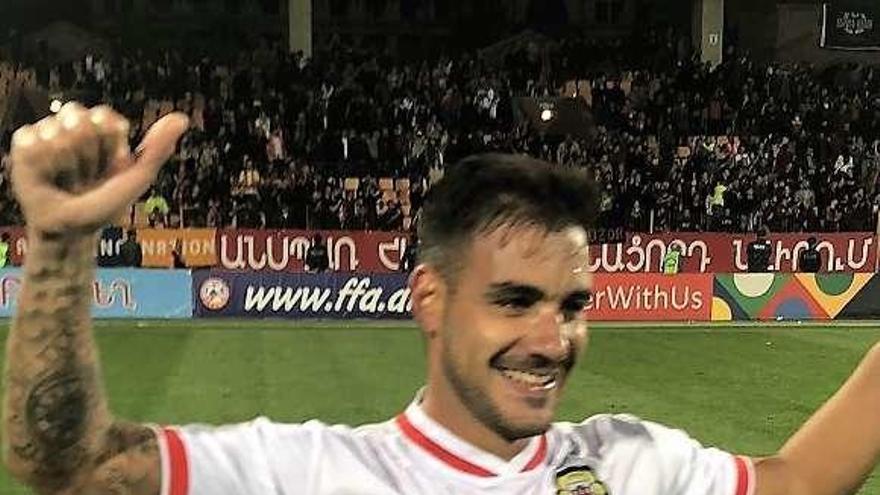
626 449
271 443
602 429
268 429
624 436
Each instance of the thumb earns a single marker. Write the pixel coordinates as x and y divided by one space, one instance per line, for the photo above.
98 206
160 141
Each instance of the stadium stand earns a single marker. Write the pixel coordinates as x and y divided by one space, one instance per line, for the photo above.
353 141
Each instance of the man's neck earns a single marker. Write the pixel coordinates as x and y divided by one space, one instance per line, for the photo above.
448 411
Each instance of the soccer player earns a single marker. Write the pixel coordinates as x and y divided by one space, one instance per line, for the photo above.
498 294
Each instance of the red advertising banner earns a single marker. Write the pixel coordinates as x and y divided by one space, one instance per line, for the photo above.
381 252
726 253
285 250
651 297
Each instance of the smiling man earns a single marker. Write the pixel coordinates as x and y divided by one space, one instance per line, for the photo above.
498 292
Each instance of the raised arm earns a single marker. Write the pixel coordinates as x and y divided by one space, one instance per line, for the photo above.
837 448
72 173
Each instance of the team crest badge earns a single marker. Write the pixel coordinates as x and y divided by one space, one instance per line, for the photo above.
579 480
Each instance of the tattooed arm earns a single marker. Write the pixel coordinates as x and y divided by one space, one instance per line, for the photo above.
71 174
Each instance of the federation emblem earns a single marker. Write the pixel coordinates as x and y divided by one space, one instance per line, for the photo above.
579 480
214 294
855 23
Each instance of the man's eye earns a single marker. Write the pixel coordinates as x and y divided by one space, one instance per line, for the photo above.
516 303
574 305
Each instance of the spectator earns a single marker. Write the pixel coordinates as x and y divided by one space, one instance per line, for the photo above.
130 252
810 259
247 187
672 260
177 260
409 258
317 258
156 208
214 218
758 254
4 249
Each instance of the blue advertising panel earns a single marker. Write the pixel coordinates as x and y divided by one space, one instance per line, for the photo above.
220 293
121 293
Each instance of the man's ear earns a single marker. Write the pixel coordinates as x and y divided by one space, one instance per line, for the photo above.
428 291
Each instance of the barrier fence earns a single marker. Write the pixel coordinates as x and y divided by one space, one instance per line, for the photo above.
216 293
284 251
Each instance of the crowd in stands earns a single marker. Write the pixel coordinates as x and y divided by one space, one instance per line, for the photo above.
352 140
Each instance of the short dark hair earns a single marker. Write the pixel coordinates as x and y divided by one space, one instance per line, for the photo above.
487 191
4 236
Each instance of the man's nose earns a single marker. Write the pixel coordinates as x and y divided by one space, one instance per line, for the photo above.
547 337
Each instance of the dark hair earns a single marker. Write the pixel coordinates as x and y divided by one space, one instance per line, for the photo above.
484 192
4 236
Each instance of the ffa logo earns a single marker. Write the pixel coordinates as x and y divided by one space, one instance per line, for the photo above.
214 294
579 480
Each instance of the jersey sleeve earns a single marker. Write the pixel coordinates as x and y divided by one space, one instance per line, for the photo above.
239 459
638 453
697 470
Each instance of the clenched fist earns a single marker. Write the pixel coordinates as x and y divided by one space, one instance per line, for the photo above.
73 172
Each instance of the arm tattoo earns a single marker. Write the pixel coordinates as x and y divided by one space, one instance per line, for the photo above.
130 463
58 432
60 427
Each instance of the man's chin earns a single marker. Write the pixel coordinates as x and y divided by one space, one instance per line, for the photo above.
512 430
525 418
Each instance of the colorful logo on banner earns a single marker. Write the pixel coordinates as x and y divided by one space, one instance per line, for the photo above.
198 247
121 293
768 296
834 291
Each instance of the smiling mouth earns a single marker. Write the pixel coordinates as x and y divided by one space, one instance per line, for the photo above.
531 380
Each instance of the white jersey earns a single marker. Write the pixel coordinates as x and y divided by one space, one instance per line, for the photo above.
413 455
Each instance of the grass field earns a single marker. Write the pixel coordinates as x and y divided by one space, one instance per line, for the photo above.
743 389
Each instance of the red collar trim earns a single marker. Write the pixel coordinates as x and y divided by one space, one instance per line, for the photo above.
454 461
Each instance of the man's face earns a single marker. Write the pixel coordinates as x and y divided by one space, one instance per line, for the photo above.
513 327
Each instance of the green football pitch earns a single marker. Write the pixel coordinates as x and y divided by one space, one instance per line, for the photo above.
741 388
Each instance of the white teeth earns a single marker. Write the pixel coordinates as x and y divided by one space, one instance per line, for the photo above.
534 380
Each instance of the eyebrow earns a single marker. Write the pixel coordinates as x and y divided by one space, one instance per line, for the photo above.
513 289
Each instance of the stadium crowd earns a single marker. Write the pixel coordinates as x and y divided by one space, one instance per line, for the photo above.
283 142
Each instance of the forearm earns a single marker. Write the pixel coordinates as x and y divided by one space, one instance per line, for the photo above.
837 447
55 413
